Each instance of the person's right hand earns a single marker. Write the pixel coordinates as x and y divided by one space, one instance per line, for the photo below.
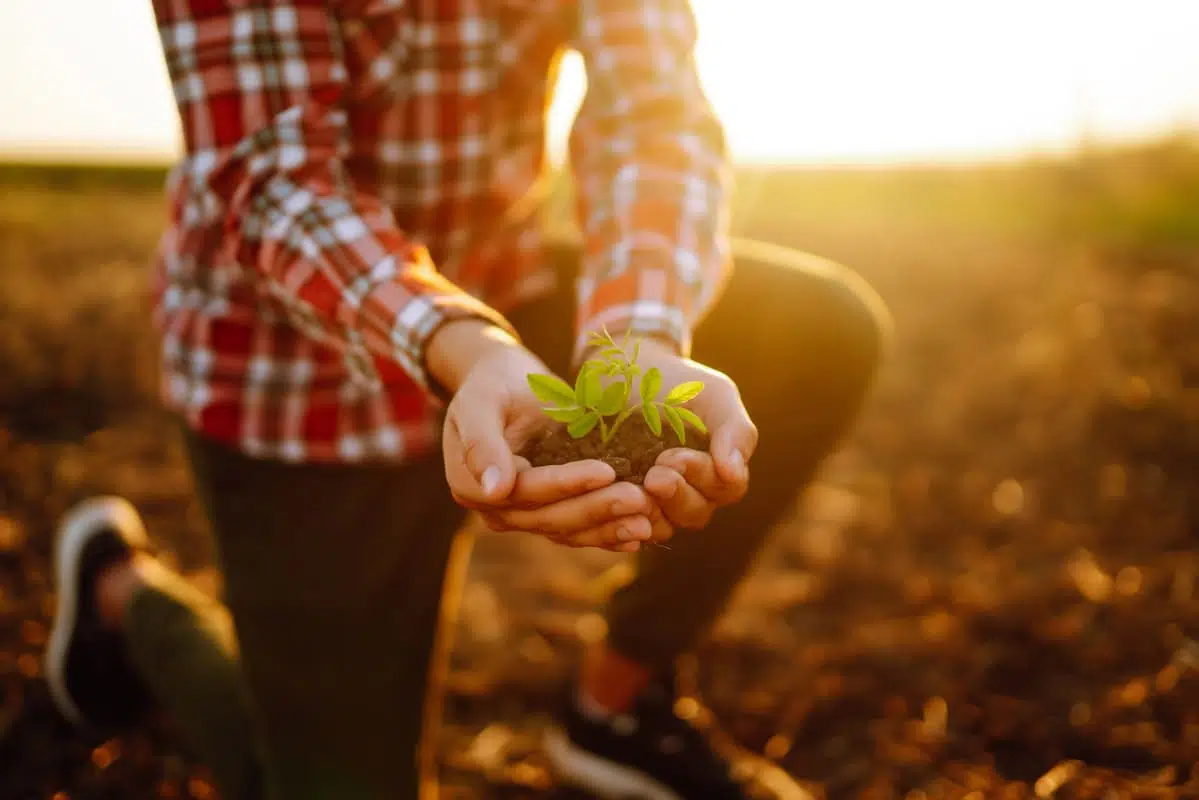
493 414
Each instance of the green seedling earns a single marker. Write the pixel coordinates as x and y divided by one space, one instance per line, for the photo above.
601 393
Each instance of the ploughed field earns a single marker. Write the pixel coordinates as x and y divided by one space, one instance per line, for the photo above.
992 591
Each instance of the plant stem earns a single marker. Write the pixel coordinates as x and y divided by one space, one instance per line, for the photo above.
603 428
615 425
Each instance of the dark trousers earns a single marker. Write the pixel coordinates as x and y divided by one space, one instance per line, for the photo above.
342 580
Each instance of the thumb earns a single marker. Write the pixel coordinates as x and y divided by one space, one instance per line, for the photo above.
733 443
487 456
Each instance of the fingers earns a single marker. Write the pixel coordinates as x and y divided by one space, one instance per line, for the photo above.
699 471
614 535
661 528
541 486
733 443
622 535
480 465
576 514
681 503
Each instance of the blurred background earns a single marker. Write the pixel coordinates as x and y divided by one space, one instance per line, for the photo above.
991 590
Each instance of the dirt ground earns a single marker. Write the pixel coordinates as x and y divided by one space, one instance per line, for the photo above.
990 592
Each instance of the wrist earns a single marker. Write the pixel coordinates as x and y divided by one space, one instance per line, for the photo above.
459 345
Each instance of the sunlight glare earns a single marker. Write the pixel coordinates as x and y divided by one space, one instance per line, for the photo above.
854 81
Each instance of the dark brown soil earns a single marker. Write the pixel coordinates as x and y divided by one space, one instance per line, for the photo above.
991 590
631 452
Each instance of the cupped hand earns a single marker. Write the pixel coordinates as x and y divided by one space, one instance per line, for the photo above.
492 416
687 485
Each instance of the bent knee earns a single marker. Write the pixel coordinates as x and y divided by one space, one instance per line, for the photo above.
859 322
824 315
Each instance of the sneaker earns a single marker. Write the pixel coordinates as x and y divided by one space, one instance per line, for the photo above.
88 671
649 753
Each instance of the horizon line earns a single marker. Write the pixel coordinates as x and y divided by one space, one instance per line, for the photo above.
84 155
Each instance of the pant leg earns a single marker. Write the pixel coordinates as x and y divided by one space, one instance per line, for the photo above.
182 644
802 338
334 576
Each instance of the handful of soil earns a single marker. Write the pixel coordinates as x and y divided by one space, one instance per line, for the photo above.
632 451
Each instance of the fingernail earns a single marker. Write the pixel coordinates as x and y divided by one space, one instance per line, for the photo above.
622 508
600 480
491 479
626 533
738 462
671 487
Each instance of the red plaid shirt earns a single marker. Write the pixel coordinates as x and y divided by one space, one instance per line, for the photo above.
359 172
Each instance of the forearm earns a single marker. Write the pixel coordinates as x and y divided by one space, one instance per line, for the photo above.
458 346
340 268
653 172
266 184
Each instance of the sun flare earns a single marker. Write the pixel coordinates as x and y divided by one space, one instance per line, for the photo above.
853 81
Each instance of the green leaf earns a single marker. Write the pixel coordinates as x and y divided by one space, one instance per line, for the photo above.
651 384
587 385
614 399
636 351
564 414
580 390
676 423
583 425
652 418
692 420
684 392
550 389
583 379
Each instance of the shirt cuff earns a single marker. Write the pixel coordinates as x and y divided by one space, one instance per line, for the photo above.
645 319
649 301
401 323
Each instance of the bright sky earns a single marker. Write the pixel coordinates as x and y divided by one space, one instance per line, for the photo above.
797 80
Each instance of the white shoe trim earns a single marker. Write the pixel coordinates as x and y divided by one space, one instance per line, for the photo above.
600 776
75 530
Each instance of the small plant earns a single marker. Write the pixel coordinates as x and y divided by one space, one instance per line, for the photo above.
601 393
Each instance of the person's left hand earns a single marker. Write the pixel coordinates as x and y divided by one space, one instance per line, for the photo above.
688 485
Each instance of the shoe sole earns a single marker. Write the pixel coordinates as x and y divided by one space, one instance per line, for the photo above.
598 775
74 532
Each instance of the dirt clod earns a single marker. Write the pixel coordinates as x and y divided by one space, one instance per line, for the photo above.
631 452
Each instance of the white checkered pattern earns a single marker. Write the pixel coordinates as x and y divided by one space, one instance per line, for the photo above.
348 167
